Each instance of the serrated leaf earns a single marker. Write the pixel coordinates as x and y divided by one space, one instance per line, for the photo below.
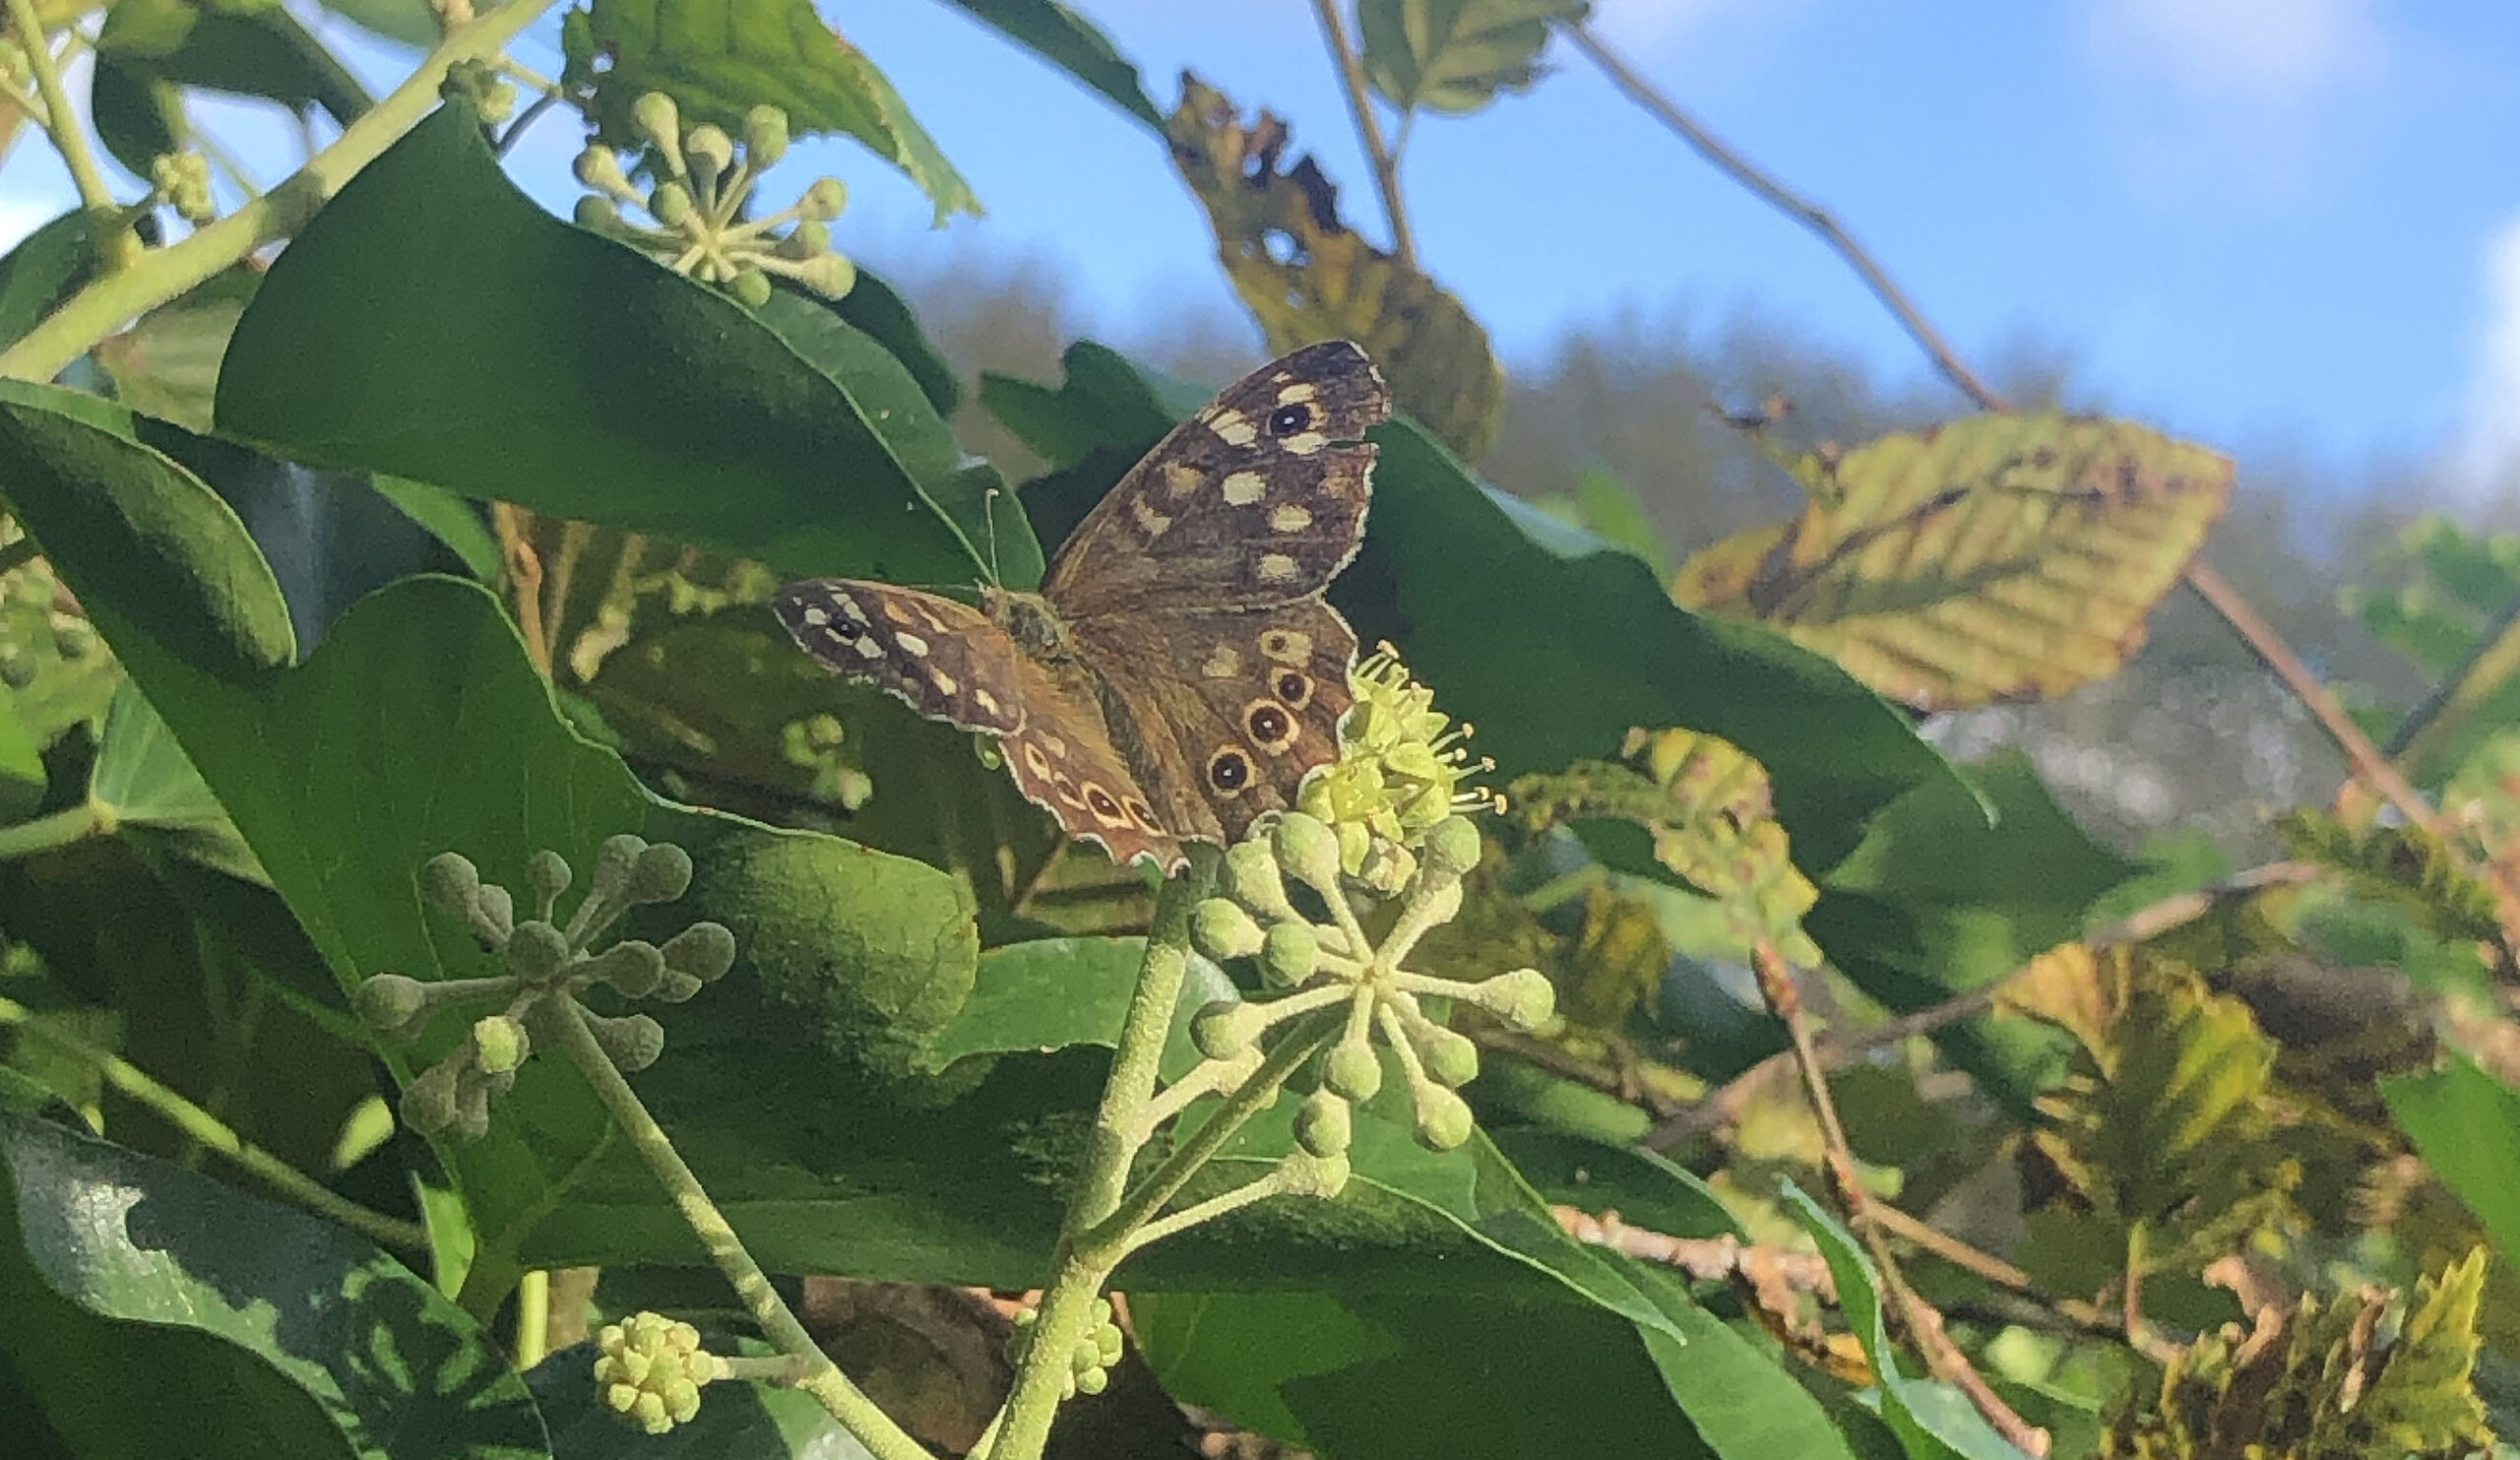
2160 1123
2000 557
1307 276
1456 55
2404 863
1068 41
1712 818
720 58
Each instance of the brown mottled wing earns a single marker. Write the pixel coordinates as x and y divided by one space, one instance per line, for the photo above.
1223 713
1258 499
948 661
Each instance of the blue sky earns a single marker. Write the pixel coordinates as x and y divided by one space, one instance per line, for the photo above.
2287 221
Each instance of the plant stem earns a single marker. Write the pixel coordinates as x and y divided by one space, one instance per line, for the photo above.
53 830
1351 71
160 275
68 137
820 1378
214 1134
2461 692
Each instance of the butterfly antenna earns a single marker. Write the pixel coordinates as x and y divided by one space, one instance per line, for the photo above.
988 514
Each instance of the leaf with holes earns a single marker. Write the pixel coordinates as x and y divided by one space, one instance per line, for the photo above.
1307 276
720 58
2001 558
1456 55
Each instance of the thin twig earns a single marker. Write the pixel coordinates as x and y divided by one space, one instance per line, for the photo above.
2487 666
1351 71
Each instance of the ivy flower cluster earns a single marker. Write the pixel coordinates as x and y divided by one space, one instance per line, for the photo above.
546 965
1399 774
650 1370
699 225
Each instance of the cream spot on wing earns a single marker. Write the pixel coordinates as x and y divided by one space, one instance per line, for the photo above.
1300 391
1066 789
946 684
1055 746
1233 428
911 644
1243 488
1290 518
1148 518
934 623
849 610
1180 478
1277 568
1035 762
1223 663
815 616
867 647
986 701
1286 646
1306 443
897 611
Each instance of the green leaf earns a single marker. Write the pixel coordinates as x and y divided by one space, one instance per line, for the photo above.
144 782
167 365
138 114
414 23
1068 41
720 58
2000 557
42 271
1933 1420
614 386
1456 55
151 1306
20 759
1605 506
878 311
448 518
1307 276
149 47
737 1421
2407 864
1643 1188
2466 1125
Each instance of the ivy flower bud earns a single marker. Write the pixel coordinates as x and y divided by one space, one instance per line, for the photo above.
536 950
494 915
632 1042
597 215
1303 1174
1443 1118
765 135
662 874
1322 1124
390 1001
1353 1069
1452 849
805 241
751 286
1290 953
450 881
1222 930
1225 1029
499 1044
1309 850
657 120
1522 1000
823 200
709 150
635 967
547 873
1251 879
1450 1058
613 862
829 274
704 950
670 204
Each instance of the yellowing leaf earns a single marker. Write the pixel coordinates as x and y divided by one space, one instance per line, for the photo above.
2000 557
720 58
1709 812
2160 1123
2405 863
1307 276
1456 55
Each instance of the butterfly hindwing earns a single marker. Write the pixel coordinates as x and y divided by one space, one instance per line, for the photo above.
1258 499
949 662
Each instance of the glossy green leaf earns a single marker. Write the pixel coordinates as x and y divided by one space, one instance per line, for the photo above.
146 784
1597 1177
878 310
450 519
20 759
1456 55
1592 648
42 271
414 23
2466 1125
150 47
720 58
1606 507
138 114
167 365
151 1306
539 364
1058 35
737 1421
1933 1420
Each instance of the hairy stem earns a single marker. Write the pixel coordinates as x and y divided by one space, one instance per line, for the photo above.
68 137
160 275
1386 164
215 1135
818 1376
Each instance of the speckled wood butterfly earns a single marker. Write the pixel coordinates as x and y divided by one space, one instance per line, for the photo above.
1178 671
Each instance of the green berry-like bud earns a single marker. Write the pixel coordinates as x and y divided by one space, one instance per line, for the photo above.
1290 953
1108 1342
1452 849
499 1044
597 215
388 1002
631 1043
704 950
612 864
823 200
657 120
1522 1000
547 873
597 168
662 874
751 286
805 241
634 967
450 881
1227 1028
1251 879
428 1103
765 135
1310 850
1323 1126
829 274
1092 1381
670 204
1303 1173
494 916
1443 1118
536 950
1223 931
675 987
1451 1058
1353 1069
709 150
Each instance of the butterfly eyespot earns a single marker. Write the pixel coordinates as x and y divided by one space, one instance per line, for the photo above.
1292 687
1101 804
1141 813
1273 727
1287 419
1230 770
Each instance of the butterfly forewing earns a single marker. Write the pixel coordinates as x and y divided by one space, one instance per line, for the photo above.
1258 499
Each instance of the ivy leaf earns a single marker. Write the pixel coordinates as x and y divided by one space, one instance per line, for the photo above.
1711 818
1456 55
720 58
1068 41
2319 1382
2000 557
2160 1123
1307 276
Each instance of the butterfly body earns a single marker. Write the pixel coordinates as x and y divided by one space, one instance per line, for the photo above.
1179 672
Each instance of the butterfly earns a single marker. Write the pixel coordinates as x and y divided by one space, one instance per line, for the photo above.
1179 673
